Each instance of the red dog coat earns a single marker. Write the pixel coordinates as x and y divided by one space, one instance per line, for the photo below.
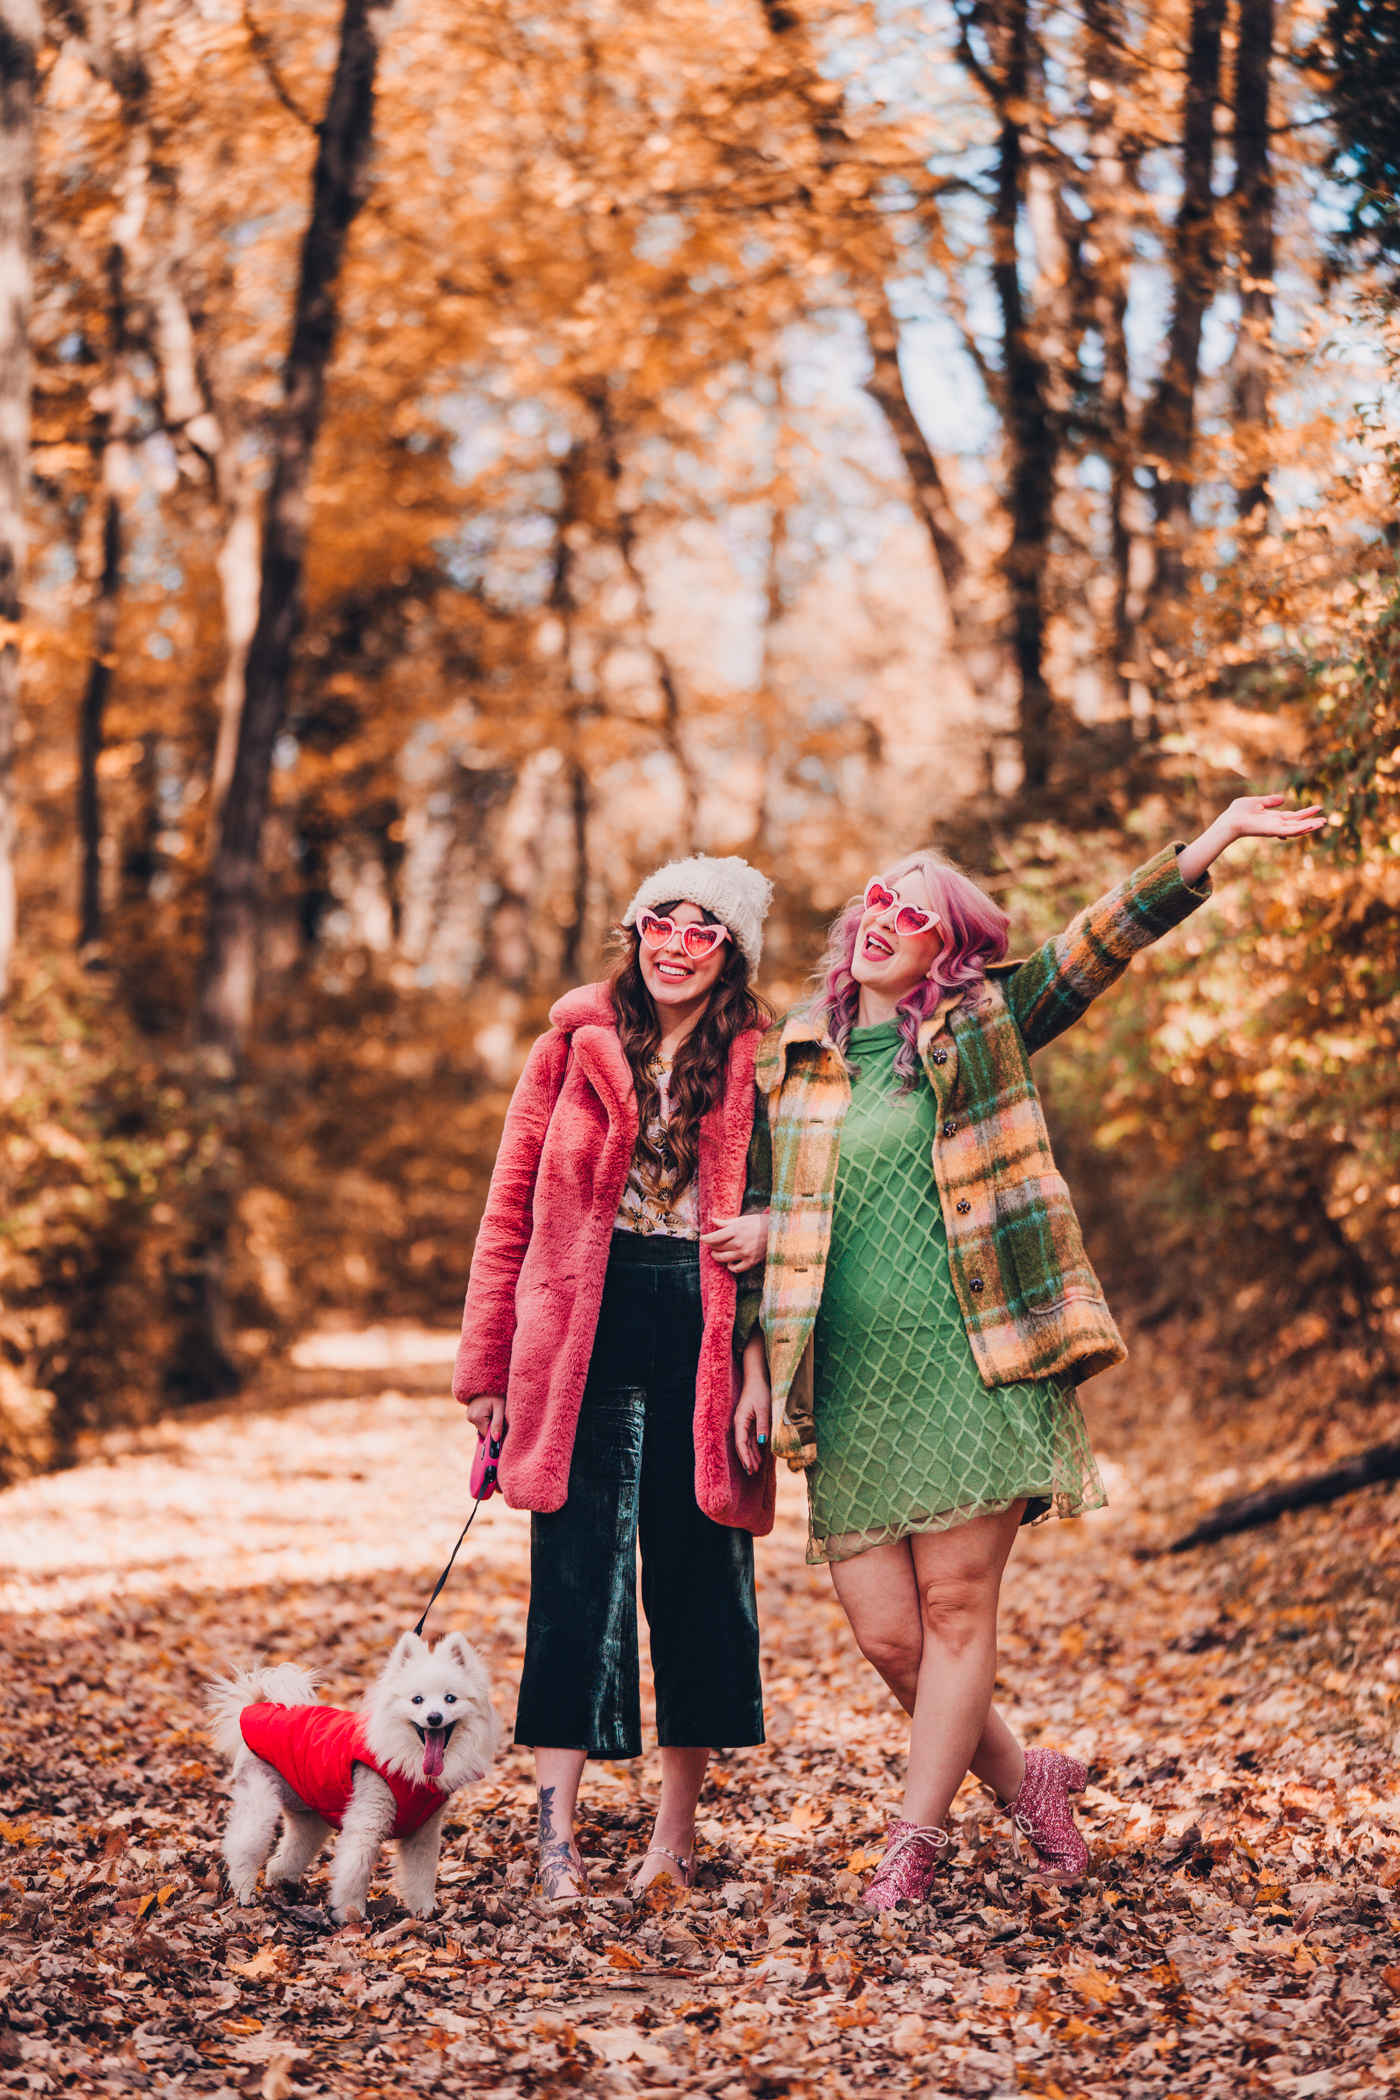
316 1750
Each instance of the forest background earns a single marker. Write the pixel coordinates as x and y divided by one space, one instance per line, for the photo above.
454 456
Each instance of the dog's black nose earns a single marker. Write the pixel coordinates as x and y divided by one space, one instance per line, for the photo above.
434 1721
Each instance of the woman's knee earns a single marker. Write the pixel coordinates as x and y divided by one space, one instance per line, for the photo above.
895 1651
958 1610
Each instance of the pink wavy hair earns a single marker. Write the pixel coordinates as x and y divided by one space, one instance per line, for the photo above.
974 934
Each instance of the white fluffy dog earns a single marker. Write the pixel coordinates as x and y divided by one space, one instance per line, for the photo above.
428 1727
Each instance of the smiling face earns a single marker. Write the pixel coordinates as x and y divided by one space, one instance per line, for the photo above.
891 965
676 981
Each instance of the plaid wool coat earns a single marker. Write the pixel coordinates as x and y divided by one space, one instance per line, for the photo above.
1032 1304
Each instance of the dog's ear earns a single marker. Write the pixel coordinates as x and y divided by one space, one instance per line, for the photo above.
461 1651
406 1647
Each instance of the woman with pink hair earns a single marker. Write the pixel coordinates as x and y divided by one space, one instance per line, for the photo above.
928 1308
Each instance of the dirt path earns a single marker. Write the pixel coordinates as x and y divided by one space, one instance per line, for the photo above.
1238 1707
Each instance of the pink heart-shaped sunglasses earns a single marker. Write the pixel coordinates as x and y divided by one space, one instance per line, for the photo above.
698 941
909 918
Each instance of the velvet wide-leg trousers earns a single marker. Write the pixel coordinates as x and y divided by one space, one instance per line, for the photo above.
631 1483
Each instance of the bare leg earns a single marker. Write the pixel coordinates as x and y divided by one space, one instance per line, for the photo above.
682 1776
882 1594
959 1576
557 1776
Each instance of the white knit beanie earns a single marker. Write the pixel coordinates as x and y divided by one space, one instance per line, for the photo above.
729 887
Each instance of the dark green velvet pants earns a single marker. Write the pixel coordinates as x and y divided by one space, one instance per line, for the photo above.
631 1481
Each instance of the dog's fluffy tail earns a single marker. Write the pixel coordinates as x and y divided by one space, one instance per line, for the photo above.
280 1684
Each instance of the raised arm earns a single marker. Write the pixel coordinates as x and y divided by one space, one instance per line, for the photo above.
488 1318
1249 817
1053 987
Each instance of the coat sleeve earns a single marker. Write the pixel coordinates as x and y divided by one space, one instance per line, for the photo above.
758 1193
488 1318
1053 987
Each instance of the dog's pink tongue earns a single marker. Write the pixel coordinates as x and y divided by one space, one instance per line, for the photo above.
434 1743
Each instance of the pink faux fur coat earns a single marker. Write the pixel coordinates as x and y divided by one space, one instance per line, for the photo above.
537 1271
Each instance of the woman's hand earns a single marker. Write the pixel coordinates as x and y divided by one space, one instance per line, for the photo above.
1249 817
487 1414
738 1243
753 1421
753 1415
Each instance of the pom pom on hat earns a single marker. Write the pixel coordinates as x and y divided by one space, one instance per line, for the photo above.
727 886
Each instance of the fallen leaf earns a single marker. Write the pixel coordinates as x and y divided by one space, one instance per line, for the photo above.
1001 1994
277 2081
620 2045
1093 1984
907 2038
623 1957
267 1962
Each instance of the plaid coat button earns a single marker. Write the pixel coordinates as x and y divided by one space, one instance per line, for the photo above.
976 1283
949 1128
963 1206
940 1057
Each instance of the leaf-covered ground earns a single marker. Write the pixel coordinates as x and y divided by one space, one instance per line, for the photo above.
1238 1708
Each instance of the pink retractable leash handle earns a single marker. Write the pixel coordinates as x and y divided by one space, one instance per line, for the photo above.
488 1452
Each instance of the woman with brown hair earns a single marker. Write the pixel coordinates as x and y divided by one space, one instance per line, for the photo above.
598 1341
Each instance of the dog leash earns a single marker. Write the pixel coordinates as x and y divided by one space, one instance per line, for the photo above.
418 1629
485 1466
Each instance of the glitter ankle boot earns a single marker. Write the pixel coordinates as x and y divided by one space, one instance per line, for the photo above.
905 1874
1042 1813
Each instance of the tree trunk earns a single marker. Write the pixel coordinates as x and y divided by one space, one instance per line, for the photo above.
624 534
1112 184
116 403
20 29
90 721
561 604
210 432
238 567
340 185
1245 1512
1032 437
886 383
885 387
1254 190
1169 426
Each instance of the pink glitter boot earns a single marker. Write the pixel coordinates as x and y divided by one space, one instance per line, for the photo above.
1042 1813
905 1874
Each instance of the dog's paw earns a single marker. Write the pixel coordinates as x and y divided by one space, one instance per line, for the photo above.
247 1894
422 1910
348 1916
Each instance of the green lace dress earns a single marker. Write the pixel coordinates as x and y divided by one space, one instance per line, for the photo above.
908 1437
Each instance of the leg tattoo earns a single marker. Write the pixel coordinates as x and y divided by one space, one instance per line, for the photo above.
561 1883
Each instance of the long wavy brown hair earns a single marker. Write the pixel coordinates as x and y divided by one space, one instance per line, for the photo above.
697 1075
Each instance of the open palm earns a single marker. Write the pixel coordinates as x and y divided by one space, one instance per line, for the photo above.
1264 817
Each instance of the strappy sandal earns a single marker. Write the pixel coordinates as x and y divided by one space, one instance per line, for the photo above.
687 1867
559 1882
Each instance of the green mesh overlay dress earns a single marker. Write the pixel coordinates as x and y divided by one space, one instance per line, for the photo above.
908 1437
